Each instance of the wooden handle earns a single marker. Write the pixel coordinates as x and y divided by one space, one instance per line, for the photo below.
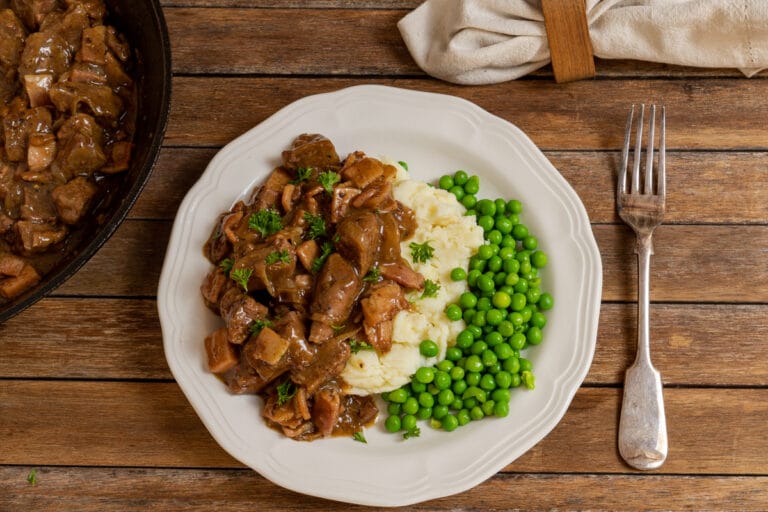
568 35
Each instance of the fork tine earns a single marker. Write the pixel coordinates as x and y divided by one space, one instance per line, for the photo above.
662 178
622 182
649 152
635 188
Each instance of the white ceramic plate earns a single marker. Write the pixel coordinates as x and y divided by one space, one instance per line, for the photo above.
434 134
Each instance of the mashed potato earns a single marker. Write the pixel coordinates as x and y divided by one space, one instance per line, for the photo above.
455 238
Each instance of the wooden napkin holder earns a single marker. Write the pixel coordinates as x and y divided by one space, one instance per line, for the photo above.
569 44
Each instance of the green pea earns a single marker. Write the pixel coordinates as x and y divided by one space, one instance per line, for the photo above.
503 379
517 301
417 387
450 422
504 225
458 192
468 201
439 411
486 207
445 366
494 236
463 417
458 274
424 413
442 380
459 386
465 339
528 379
521 286
534 335
453 312
426 399
495 263
460 177
484 303
456 373
393 424
428 348
494 317
506 328
472 276
511 266
508 240
453 354
501 409
501 205
472 378
398 395
494 338
425 375
488 407
408 422
485 222
545 301
472 365
525 365
394 408
445 397
487 382
517 341
501 300
478 347
520 231
479 319
489 357
485 283
445 182
512 365
503 351
484 252
411 405
530 242
472 186
500 395
538 319
476 413
514 206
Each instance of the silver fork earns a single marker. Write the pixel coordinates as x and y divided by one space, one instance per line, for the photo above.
640 203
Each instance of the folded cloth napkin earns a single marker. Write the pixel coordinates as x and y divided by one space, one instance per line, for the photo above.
488 41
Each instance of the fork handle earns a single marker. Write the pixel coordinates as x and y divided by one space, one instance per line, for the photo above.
642 424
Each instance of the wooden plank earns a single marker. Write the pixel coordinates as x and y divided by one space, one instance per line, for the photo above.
175 490
84 338
693 345
297 4
691 183
691 263
152 425
586 115
281 41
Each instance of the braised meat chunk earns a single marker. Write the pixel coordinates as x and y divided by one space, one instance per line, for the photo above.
306 268
67 111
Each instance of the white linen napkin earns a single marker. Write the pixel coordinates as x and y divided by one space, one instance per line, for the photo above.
488 41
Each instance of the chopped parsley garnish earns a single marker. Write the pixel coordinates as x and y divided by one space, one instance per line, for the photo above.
302 174
430 289
32 477
325 250
285 392
404 165
226 265
414 432
421 252
256 327
315 225
282 256
372 275
357 346
359 437
241 276
328 179
266 222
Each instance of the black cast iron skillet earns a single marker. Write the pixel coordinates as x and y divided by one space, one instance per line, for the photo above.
143 24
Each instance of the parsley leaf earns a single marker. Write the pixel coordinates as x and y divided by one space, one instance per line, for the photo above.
430 289
241 276
275 256
266 222
421 252
328 179
404 165
372 275
302 174
315 225
32 477
359 437
285 392
414 432
226 265
256 327
325 250
357 346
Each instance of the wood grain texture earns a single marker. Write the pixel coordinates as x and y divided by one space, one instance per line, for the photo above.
693 344
152 425
707 114
60 489
713 179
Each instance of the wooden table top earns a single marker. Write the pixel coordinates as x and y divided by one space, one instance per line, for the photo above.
88 404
